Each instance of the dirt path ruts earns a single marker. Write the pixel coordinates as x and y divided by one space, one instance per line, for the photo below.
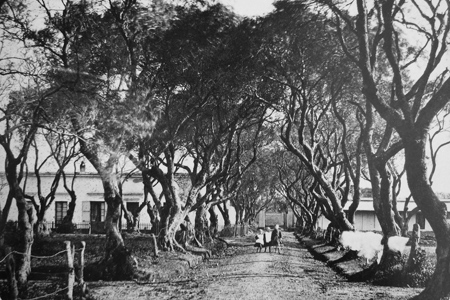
294 274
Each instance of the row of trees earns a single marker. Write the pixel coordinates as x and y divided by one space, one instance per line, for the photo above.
166 87
302 104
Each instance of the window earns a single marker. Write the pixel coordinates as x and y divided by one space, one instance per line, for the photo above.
61 211
97 211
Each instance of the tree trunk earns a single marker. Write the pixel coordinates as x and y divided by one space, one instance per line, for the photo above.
201 223
154 218
25 227
225 214
25 224
383 204
137 214
238 216
315 216
41 229
214 222
117 263
177 217
407 216
434 211
67 225
381 187
4 217
165 215
132 221
355 203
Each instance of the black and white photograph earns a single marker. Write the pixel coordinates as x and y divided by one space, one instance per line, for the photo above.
224 149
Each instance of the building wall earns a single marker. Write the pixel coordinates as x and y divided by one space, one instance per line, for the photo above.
367 221
89 189
270 219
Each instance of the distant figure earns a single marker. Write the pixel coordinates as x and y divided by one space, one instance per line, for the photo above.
267 240
259 240
276 238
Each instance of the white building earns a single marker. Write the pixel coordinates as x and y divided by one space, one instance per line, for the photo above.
90 210
366 220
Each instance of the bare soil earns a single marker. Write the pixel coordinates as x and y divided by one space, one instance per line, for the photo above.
245 274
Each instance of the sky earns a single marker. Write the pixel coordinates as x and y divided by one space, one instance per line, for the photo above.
250 8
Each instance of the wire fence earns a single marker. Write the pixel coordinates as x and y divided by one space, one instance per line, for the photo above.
70 251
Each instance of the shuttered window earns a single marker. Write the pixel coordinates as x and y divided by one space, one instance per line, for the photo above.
97 211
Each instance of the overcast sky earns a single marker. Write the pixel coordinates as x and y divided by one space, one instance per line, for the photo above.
250 8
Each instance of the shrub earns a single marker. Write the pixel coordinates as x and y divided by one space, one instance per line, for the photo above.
399 274
227 231
420 272
389 273
66 227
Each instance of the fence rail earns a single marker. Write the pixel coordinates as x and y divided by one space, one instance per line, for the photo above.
71 278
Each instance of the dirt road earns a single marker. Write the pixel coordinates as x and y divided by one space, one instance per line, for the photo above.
294 274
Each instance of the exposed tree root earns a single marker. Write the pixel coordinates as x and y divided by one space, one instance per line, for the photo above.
350 255
120 265
197 250
222 240
387 272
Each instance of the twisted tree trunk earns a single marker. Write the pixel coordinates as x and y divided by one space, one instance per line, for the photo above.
201 223
214 222
225 214
25 227
117 263
67 225
433 209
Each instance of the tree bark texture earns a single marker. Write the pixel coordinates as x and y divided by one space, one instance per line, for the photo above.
201 223
225 214
25 227
434 211
4 217
67 225
117 263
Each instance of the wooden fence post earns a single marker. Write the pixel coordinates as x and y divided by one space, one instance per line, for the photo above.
155 246
81 261
71 275
415 239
